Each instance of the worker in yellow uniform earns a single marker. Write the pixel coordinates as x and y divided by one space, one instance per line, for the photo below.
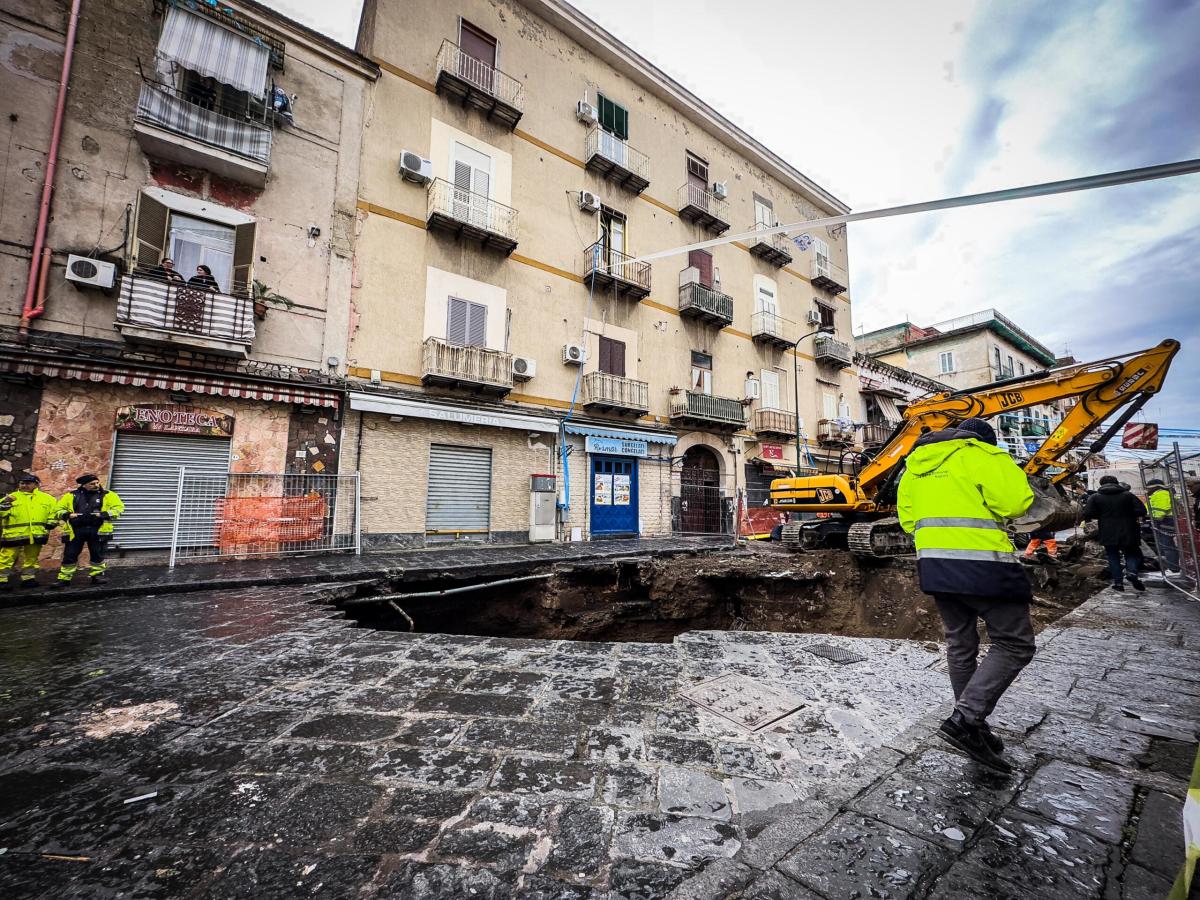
1162 523
957 490
26 518
88 513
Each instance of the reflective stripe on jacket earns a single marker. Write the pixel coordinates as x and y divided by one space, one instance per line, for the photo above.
28 519
1160 503
954 494
111 504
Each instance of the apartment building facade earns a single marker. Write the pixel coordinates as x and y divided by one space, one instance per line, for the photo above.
516 162
214 135
969 351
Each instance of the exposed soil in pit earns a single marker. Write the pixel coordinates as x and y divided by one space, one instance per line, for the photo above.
762 588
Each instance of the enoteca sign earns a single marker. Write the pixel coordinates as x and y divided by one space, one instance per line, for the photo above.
164 419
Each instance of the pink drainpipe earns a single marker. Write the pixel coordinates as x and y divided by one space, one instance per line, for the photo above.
28 309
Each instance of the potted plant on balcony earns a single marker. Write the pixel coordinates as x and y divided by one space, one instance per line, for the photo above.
262 295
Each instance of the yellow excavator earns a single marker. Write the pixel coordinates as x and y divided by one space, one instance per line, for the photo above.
864 499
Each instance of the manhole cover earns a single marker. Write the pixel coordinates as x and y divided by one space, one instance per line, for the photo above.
839 655
743 701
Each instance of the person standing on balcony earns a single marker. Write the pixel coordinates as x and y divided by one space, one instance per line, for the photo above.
166 270
203 279
26 518
1118 513
88 513
957 489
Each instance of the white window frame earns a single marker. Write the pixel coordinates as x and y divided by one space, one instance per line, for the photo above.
942 357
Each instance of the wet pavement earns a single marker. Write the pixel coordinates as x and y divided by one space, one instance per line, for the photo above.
255 743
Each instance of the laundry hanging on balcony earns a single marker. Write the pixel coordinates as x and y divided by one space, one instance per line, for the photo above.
249 139
206 47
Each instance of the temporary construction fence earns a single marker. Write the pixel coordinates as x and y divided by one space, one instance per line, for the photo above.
1173 536
703 502
258 514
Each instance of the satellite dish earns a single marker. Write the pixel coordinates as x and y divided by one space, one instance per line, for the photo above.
803 241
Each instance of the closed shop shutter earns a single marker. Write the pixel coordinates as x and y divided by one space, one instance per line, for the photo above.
459 500
146 476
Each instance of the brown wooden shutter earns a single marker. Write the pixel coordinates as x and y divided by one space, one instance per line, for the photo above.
150 232
703 261
612 357
478 43
243 258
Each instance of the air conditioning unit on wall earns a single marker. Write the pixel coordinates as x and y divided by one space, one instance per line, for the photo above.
586 113
413 167
84 271
589 202
574 355
720 190
523 368
814 317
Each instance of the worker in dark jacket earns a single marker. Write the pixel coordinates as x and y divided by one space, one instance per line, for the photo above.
1118 514
88 514
957 490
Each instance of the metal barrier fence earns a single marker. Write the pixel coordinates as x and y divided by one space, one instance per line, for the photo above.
236 516
1173 525
702 502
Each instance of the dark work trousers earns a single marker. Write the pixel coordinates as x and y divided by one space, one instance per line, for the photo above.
978 688
95 544
1133 562
1164 543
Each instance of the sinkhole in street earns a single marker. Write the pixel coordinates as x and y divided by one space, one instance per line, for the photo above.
656 599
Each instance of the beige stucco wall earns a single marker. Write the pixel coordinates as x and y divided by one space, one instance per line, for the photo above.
313 177
546 299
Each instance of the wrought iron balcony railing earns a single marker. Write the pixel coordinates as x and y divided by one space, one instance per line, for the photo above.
835 432
151 309
700 302
832 352
615 393
705 409
828 276
473 82
697 204
605 268
608 155
477 367
767 327
471 216
877 432
774 248
775 421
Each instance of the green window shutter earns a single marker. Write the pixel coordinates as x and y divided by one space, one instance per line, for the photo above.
605 107
621 122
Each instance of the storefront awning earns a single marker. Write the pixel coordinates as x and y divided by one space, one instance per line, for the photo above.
186 382
200 44
652 437
475 415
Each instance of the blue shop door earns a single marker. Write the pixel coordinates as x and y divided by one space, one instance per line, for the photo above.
614 493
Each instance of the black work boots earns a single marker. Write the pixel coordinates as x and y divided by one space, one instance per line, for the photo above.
977 742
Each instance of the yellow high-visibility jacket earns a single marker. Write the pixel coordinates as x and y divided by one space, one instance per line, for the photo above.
111 504
1160 504
953 498
28 518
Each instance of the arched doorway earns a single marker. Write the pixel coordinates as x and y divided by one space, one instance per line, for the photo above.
700 492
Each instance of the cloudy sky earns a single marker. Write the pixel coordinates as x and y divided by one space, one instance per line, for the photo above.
886 103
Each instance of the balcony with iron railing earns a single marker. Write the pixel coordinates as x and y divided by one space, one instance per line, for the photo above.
778 422
706 209
832 352
472 82
1002 372
766 327
835 433
613 393
609 270
828 276
455 365
608 155
773 248
697 301
192 128
876 433
157 312
707 411
471 217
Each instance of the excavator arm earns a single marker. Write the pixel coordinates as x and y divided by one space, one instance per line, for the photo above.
1100 388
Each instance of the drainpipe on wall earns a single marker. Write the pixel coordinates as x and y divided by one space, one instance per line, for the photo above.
40 255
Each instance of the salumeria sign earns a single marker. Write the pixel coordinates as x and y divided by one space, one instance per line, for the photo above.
174 420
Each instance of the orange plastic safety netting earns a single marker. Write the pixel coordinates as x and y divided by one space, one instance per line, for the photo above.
244 521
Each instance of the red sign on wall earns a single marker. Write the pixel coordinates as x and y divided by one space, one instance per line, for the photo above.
772 451
1140 436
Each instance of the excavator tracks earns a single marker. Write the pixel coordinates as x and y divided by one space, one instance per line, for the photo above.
881 538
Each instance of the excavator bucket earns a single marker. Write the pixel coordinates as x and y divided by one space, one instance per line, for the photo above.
1051 508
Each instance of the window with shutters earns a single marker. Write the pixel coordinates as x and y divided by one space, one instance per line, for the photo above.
829 405
828 315
697 171
701 372
703 261
472 176
466 323
764 213
189 240
614 118
612 233
771 389
946 361
612 356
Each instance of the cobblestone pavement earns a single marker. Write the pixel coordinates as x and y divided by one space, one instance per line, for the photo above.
137 580
255 743
1103 728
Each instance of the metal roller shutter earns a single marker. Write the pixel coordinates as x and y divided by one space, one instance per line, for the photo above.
459 501
146 476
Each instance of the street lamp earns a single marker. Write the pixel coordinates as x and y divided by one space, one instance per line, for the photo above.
824 329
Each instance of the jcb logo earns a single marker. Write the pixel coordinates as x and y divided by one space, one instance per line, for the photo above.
824 495
1010 398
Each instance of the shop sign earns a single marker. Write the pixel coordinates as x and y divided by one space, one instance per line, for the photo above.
772 451
175 420
617 446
